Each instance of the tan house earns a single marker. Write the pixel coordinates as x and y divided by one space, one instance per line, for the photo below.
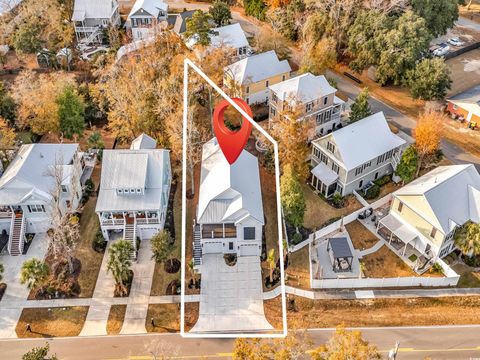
250 78
310 98
425 214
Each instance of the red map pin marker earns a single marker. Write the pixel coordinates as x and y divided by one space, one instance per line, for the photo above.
231 142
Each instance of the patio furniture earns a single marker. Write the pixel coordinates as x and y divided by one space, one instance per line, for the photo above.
340 254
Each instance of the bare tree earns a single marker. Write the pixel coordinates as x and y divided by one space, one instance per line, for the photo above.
65 232
387 6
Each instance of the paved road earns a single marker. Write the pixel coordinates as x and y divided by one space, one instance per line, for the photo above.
403 122
450 342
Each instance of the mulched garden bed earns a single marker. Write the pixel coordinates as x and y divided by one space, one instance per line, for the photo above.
276 279
3 288
128 285
169 218
173 288
230 259
61 284
295 239
172 266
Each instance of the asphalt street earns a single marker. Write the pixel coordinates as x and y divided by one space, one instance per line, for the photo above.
436 342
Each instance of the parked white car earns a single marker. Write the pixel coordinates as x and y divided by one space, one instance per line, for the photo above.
442 50
455 41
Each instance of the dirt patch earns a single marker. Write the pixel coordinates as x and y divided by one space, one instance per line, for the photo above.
376 312
361 237
51 322
468 277
459 134
115 319
166 318
298 271
472 13
396 96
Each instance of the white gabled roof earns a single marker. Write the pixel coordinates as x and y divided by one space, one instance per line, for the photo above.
30 172
230 35
228 193
152 7
143 142
303 88
257 67
122 169
364 140
93 9
449 196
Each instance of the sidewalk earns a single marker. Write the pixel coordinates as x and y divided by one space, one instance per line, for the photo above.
98 311
137 306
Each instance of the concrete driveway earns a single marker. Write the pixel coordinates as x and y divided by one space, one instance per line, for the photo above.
231 298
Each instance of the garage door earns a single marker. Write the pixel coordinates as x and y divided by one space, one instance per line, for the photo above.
146 234
249 250
212 247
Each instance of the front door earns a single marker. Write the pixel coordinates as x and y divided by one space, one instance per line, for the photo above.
130 218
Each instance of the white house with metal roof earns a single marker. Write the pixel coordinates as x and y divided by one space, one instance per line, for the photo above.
91 17
229 218
309 98
254 74
425 213
229 36
144 18
134 191
350 158
27 187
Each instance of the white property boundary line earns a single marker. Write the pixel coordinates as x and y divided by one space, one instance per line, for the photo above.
188 63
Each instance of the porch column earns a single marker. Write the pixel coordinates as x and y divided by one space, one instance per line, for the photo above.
391 236
405 249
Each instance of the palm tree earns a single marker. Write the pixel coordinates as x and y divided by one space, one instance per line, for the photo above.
162 246
119 263
271 262
467 239
34 272
191 268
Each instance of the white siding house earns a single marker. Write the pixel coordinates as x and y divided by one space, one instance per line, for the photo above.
311 98
91 17
144 18
349 158
26 189
229 216
254 74
134 191
229 36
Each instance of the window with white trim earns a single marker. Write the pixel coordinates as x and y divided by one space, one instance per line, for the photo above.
36 208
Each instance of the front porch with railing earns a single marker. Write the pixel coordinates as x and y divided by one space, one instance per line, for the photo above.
112 218
406 243
218 231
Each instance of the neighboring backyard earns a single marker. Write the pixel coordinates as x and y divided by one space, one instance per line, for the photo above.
298 271
319 213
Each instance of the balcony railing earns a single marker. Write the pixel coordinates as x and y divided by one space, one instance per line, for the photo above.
113 221
141 221
6 214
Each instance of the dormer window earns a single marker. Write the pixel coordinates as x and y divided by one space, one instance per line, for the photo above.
139 191
119 191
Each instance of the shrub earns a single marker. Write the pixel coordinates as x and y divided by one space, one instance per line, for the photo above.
437 268
99 244
337 199
372 192
297 238
383 180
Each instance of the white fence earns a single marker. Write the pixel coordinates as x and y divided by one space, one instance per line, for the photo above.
384 282
336 225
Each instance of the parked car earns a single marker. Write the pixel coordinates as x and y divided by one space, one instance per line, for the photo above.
442 50
455 41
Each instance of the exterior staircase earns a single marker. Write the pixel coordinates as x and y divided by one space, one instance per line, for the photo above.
395 160
91 38
17 235
130 234
197 247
